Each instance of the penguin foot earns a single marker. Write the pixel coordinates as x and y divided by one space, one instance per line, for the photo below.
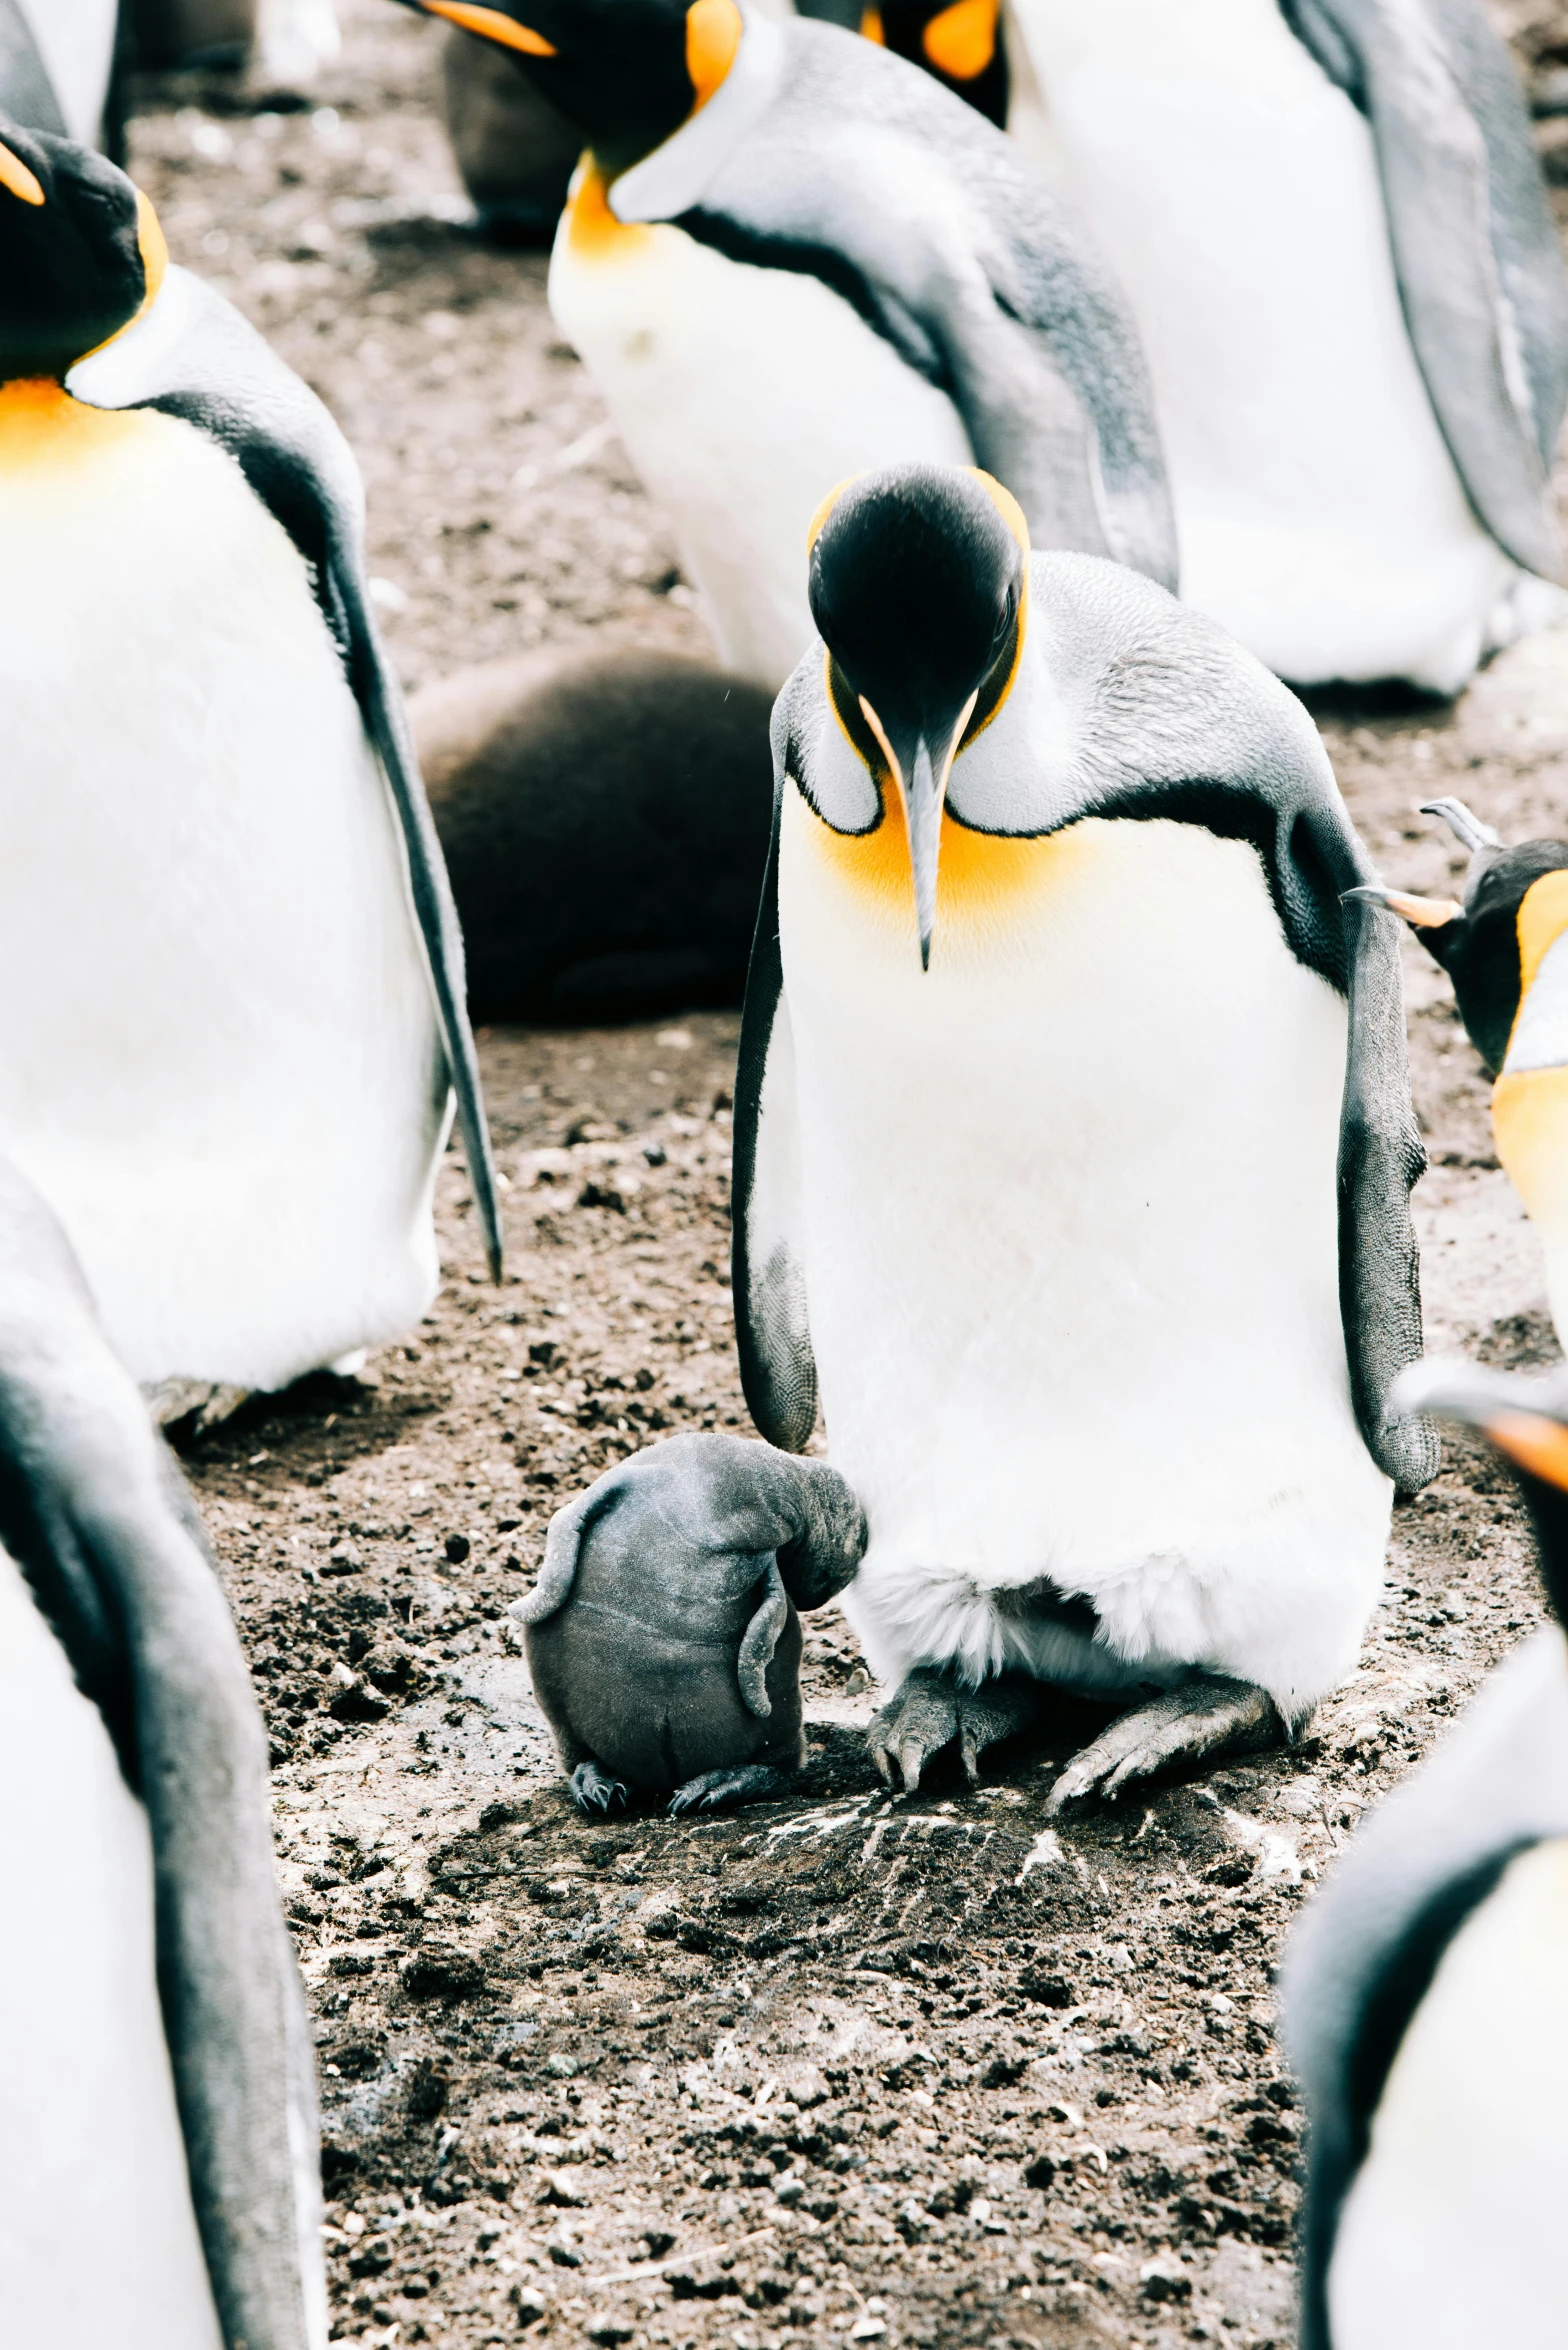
933 1709
1206 1717
728 1790
594 1792
189 1407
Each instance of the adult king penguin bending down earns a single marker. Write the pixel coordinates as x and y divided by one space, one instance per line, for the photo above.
1073 1145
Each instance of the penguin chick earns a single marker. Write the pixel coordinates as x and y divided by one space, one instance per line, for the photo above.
232 1015
605 820
1425 1993
1071 1101
662 1633
789 256
1329 219
57 69
154 2046
959 42
1505 947
515 151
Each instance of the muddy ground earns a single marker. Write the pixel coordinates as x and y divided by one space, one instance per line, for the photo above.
843 2067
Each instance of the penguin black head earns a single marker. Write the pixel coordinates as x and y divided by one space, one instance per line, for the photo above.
1527 1420
627 72
81 253
918 585
1488 944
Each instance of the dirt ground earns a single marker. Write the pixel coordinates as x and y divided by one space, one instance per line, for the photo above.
843 2067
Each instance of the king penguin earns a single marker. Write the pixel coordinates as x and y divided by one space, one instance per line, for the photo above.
1505 947
230 974
1073 1145
1329 219
1425 1993
790 255
57 68
961 42
159 2172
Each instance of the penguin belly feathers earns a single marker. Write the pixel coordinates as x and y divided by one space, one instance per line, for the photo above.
233 978
1091 1236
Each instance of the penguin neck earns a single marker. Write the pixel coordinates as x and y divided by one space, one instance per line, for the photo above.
735 80
40 423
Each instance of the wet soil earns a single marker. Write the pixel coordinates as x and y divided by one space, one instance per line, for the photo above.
842 2067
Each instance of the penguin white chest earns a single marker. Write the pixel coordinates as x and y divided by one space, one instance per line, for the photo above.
1235 191
744 395
1070 1236
218 1054
90 2145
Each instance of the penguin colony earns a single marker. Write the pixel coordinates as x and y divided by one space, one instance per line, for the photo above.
1073 1124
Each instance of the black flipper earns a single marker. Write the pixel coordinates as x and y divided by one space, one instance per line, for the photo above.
1481 272
194 356
772 1331
95 1513
26 92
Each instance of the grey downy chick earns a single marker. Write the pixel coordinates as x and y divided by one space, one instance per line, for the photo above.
662 1633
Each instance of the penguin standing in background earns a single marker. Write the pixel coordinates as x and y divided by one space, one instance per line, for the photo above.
1425 1993
57 69
1506 950
231 978
156 2075
1073 1146
1329 219
790 256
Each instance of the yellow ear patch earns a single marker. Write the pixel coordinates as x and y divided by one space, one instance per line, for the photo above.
15 175
1005 503
871 27
491 24
713 31
1538 1445
818 521
1541 920
961 42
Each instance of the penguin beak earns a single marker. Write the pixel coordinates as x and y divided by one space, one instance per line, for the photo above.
15 176
1421 913
491 24
921 769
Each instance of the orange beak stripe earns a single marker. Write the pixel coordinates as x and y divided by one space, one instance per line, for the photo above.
491 25
15 175
1538 1445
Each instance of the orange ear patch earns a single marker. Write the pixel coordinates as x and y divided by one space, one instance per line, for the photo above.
713 31
961 42
871 27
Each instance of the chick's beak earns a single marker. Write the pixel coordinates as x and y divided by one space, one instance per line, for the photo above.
920 768
1420 913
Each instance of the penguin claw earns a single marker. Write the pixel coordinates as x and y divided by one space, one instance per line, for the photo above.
932 1710
727 1790
1206 1717
595 1793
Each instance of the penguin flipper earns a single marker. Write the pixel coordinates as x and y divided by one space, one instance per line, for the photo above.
26 92
96 1515
561 1547
772 1327
758 1641
1381 1156
1481 272
193 356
